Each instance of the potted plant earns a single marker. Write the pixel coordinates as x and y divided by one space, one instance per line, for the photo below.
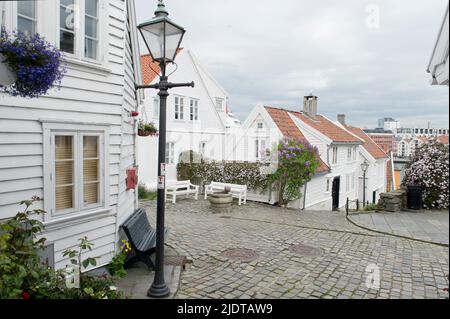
29 65
146 129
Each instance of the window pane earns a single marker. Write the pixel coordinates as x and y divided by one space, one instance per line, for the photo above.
26 26
27 8
90 146
64 166
90 170
64 147
64 197
66 42
91 7
66 18
68 2
64 172
91 27
90 49
91 193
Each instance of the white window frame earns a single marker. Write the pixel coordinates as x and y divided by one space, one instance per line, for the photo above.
202 148
50 130
349 154
334 155
193 109
179 108
11 15
327 186
170 153
260 145
79 30
259 125
34 20
155 107
347 183
219 103
353 182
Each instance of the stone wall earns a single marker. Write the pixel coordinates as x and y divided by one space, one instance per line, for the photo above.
393 201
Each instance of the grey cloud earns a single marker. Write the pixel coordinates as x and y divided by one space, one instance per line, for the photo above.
274 52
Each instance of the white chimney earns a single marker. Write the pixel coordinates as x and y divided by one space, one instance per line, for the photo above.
310 105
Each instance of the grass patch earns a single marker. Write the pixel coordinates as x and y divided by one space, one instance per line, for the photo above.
145 194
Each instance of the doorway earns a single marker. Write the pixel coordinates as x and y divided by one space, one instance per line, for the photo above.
335 192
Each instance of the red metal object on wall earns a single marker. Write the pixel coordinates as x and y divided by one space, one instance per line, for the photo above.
134 113
132 178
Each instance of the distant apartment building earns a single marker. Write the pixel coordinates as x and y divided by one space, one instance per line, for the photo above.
388 124
384 138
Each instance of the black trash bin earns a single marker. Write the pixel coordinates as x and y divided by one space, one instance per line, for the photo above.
414 197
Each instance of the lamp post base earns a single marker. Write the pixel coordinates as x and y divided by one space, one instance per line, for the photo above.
158 291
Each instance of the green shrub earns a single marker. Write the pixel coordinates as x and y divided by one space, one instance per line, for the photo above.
145 194
24 276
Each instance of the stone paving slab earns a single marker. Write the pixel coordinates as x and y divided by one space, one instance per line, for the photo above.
407 269
424 225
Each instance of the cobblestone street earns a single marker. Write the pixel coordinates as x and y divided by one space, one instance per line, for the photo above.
335 263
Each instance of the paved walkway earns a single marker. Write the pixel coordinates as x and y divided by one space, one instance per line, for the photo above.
340 260
424 225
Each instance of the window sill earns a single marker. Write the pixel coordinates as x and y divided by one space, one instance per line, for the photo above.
84 64
76 218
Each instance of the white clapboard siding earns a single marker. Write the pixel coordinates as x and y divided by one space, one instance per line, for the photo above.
87 94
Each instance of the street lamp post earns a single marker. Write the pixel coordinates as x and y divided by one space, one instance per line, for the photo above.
162 38
364 167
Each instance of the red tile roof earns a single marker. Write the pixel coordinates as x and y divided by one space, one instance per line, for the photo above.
327 128
370 146
290 130
147 64
443 139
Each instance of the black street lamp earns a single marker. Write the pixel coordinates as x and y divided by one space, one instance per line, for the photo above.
364 167
162 38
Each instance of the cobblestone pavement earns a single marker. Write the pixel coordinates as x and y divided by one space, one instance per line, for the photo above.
407 269
424 225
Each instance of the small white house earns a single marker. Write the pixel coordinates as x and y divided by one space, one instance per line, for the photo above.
73 147
198 118
438 66
337 176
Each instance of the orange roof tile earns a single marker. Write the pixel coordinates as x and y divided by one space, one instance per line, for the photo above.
147 64
290 130
443 139
373 148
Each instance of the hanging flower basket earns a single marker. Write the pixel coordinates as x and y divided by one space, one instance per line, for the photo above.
146 129
29 65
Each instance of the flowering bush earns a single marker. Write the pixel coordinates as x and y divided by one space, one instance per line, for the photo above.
35 62
429 169
116 267
297 163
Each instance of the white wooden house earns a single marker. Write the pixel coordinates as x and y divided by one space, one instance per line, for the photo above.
73 146
337 177
439 65
198 118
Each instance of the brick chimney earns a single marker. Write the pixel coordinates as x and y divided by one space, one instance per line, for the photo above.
341 118
310 105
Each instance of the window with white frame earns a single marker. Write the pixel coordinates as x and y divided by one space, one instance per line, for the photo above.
193 110
79 28
259 125
179 108
170 153
347 183
354 153
349 153
155 107
202 149
219 103
77 171
334 155
26 17
2 14
353 181
327 188
260 149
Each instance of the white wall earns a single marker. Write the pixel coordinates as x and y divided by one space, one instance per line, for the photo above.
89 94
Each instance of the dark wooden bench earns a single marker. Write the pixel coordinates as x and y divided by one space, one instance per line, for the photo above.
141 236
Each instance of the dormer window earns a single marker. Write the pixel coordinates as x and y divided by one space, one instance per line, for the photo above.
219 104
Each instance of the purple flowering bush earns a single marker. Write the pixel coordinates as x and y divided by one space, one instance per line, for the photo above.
429 169
35 62
297 163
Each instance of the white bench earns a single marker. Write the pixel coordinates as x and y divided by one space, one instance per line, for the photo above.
174 188
237 191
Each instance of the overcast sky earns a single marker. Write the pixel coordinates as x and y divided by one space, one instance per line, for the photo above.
274 52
